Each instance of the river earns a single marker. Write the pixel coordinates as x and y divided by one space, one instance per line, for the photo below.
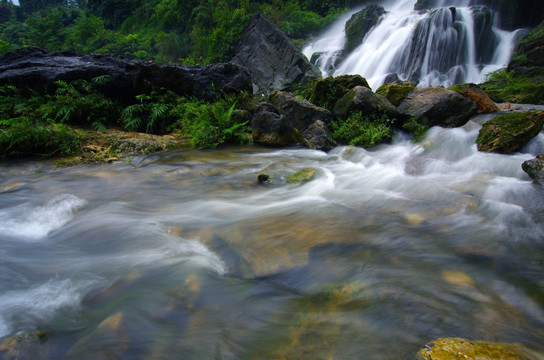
183 255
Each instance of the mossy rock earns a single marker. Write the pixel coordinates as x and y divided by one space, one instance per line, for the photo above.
360 24
458 348
301 176
509 132
24 346
326 92
395 93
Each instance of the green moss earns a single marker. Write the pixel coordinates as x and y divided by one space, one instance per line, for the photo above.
360 24
458 348
507 133
395 93
362 130
301 176
326 92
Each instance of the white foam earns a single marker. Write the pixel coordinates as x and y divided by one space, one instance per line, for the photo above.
23 309
27 222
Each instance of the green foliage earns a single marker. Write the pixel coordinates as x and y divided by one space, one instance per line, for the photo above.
363 130
505 86
151 114
416 127
23 137
210 125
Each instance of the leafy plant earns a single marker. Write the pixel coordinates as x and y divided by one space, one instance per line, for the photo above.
363 130
151 114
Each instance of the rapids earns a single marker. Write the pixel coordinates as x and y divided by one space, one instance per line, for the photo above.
184 255
441 46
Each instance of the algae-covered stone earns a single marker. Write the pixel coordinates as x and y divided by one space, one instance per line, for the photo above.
395 93
458 348
24 346
326 92
360 24
301 176
362 99
509 132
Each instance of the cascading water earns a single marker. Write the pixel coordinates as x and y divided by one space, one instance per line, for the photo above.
445 45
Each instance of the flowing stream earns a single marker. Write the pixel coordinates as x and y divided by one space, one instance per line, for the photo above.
455 42
184 255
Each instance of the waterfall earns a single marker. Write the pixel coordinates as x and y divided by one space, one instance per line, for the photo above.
454 42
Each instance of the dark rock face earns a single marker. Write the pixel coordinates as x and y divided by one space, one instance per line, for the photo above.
328 61
485 38
288 120
509 132
271 58
479 97
362 99
438 106
535 169
326 92
38 69
360 24
528 57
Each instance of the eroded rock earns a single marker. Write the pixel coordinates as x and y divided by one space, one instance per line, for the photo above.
535 169
479 97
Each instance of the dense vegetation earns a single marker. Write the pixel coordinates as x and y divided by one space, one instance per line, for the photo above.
193 31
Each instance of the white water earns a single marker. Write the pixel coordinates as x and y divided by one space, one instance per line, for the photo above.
445 52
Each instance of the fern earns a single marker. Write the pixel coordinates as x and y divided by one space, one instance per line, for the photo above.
99 126
101 80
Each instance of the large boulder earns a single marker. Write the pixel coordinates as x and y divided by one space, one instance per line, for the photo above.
509 132
326 92
528 59
271 58
438 106
286 120
362 99
458 348
360 24
38 70
535 169
479 97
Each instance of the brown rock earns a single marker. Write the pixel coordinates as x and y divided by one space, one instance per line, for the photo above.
479 97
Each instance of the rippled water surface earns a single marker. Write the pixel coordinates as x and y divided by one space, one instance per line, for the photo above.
183 255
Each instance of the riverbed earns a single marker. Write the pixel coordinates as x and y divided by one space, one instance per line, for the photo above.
185 255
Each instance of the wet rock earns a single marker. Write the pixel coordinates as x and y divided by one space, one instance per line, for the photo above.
288 120
360 24
301 176
535 169
458 278
272 129
479 97
528 59
509 132
271 58
24 346
440 107
395 93
328 61
326 92
38 70
111 336
263 178
484 36
362 99
458 348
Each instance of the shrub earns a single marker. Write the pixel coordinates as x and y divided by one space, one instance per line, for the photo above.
363 130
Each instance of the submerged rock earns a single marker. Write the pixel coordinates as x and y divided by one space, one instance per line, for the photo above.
458 348
301 176
362 99
288 120
360 24
24 346
327 91
38 70
479 97
509 132
271 58
535 169
440 107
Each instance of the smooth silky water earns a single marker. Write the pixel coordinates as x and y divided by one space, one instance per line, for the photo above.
183 255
